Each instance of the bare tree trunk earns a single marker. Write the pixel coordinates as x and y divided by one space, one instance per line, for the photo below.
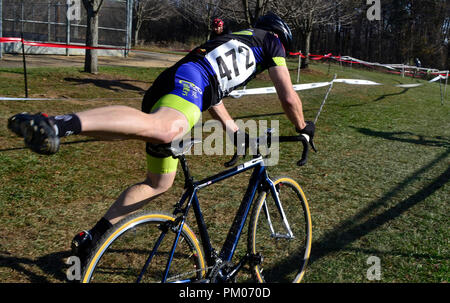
307 48
136 31
258 11
248 18
91 59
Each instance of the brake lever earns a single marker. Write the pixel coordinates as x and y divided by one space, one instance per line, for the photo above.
311 142
305 151
305 139
233 160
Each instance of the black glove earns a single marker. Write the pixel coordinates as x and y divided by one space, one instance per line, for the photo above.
309 129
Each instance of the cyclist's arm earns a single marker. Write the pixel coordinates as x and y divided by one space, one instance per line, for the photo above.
219 112
290 101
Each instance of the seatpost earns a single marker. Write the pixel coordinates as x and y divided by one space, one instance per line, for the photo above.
188 180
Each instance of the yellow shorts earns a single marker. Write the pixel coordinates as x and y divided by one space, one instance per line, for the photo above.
192 113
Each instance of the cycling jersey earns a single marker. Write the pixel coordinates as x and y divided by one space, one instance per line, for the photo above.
211 71
234 59
206 75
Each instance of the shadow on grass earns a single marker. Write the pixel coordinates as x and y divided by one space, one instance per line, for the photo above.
65 143
114 85
259 115
405 90
348 231
358 226
52 265
264 115
406 137
390 95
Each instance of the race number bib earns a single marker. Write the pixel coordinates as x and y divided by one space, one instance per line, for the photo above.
233 63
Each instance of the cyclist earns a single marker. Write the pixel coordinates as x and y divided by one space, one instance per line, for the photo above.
219 29
171 107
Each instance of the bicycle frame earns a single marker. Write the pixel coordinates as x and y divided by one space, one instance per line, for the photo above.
258 178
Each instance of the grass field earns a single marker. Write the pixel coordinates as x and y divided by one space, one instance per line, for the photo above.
378 186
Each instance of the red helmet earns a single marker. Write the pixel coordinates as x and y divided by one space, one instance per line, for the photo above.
217 22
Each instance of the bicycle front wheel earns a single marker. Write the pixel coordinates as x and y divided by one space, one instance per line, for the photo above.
126 253
280 234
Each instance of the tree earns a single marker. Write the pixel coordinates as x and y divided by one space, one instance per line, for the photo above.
150 10
307 15
200 13
91 60
254 9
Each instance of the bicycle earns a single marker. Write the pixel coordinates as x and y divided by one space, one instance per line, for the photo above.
161 247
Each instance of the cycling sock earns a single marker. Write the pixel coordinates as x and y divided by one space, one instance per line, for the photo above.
99 229
66 125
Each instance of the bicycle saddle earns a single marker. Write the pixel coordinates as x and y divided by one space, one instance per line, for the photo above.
174 149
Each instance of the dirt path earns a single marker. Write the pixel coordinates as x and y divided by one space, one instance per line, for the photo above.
139 59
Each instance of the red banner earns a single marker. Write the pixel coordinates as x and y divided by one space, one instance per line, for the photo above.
56 45
62 45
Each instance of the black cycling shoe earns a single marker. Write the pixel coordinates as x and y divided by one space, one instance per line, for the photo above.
37 130
81 245
16 123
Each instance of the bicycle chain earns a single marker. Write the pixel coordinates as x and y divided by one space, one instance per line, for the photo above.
211 277
176 277
217 268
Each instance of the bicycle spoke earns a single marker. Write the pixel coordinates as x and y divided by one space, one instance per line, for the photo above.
140 254
150 257
283 240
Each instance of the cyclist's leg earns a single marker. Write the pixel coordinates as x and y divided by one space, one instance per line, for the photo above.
138 195
160 176
164 116
122 122
131 200
41 133
161 170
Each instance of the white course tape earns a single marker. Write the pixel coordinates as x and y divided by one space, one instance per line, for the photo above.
438 78
310 85
270 90
297 87
396 67
356 82
408 85
25 99
253 91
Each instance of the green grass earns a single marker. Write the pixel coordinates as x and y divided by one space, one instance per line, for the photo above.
378 185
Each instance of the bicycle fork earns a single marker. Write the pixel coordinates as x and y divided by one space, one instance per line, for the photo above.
275 194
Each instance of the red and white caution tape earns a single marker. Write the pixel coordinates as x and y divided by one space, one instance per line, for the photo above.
254 91
54 45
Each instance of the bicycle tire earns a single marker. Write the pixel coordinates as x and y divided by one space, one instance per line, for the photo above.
122 252
280 259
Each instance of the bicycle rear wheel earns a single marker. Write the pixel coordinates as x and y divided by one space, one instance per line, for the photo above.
284 248
122 253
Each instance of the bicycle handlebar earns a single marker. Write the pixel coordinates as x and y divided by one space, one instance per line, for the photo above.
304 139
